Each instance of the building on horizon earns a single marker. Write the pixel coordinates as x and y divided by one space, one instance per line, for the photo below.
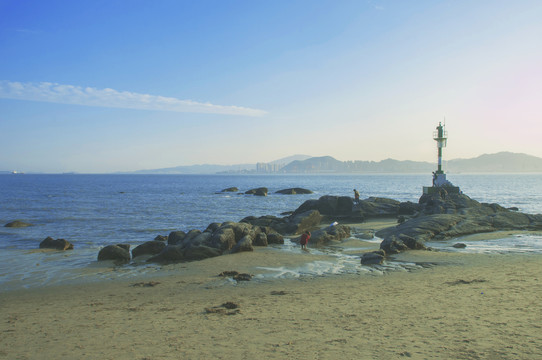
268 167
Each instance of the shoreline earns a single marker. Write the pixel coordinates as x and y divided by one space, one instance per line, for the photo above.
467 306
46 268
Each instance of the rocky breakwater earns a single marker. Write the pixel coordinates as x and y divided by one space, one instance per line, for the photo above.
217 239
330 209
444 217
343 208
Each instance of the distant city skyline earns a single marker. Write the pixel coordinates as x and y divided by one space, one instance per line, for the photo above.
96 87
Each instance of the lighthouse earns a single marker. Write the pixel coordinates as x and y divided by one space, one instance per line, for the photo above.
439 177
440 136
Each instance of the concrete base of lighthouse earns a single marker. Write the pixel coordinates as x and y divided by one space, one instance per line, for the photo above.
441 185
430 190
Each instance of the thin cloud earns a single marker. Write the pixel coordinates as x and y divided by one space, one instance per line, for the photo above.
77 95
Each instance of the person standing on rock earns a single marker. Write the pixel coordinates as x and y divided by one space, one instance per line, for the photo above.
356 196
305 239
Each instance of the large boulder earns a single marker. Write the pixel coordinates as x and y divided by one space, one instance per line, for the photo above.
119 253
170 254
17 224
328 235
262 191
245 244
148 248
328 205
378 207
261 240
343 207
373 257
163 238
175 237
298 223
294 191
223 238
200 252
393 245
231 189
275 238
58 244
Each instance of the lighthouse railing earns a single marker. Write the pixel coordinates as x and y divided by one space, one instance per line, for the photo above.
444 135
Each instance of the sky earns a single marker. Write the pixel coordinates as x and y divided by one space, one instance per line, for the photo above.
121 85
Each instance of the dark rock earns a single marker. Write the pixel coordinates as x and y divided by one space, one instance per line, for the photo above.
243 229
408 208
196 239
231 189
223 238
393 245
212 227
301 222
200 252
373 258
343 207
328 205
293 191
170 254
124 246
17 224
262 191
163 238
58 244
330 234
245 244
513 208
119 254
229 273
379 207
243 277
261 240
191 235
459 245
296 223
412 243
149 248
275 238
175 237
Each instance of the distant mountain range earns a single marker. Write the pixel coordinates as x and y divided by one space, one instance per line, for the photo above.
214 169
503 162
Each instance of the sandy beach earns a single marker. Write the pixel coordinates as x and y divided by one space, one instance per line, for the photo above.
460 306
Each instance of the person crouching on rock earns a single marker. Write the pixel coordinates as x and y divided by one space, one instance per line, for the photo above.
305 239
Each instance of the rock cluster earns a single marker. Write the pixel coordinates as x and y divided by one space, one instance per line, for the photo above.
119 254
296 223
217 239
441 218
17 224
58 244
434 217
293 191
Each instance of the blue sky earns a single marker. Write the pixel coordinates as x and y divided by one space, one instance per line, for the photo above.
100 86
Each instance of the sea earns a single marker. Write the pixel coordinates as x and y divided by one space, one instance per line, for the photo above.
92 211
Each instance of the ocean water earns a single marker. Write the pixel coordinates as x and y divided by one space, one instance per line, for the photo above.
92 211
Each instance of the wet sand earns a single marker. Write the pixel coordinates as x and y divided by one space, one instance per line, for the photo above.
462 306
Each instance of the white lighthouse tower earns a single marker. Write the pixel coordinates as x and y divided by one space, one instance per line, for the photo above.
439 177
